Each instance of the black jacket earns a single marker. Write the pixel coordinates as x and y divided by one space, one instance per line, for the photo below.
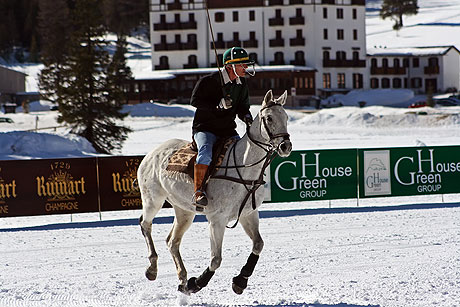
206 97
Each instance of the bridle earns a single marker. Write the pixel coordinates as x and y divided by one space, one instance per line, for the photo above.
270 149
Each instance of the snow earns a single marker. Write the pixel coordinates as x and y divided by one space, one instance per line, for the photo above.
400 251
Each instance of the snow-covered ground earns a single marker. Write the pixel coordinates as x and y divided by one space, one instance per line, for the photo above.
401 251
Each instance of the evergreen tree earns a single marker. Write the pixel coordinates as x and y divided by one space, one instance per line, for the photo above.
395 9
55 31
85 94
119 72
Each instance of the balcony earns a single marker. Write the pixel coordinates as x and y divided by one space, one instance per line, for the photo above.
276 21
297 20
176 46
232 43
296 2
358 2
162 67
298 62
277 62
218 4
176 5
344 63
327 1
219 45
190 65
277 42
190 25
298 41
275 2
431 70
388 70
251 43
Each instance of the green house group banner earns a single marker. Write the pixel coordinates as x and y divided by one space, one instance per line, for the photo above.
409 171
314 175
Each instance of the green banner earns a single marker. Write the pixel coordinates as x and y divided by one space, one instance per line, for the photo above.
409 171
314 175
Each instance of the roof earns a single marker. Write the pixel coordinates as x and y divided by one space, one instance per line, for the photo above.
410 51
172 73
9 68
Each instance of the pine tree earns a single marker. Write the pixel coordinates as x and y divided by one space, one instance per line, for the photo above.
85 94
395 9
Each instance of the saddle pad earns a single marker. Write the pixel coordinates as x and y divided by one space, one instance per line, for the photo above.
183 160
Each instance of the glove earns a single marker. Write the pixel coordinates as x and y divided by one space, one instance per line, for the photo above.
225 103
248 120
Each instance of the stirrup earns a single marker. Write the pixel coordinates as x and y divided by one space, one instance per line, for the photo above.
200 200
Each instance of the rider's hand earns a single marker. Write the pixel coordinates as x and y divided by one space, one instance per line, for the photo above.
248 120
225 103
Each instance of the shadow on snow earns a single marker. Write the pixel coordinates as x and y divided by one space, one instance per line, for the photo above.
263 214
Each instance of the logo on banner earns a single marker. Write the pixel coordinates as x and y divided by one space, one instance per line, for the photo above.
7 190
60 188
123 182
377 179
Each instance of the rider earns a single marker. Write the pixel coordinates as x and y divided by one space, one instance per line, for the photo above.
218 99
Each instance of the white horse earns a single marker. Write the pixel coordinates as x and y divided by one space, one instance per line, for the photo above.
232 192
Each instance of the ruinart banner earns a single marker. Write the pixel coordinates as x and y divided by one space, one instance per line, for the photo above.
409 171
314 175
50 186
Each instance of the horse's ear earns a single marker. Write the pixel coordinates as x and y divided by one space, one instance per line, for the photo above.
281 100
268 98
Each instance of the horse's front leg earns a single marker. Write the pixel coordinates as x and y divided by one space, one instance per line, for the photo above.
217 230
250 224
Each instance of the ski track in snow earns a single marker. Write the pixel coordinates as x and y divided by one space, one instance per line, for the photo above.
394 258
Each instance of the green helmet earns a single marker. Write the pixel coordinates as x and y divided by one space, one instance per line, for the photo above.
236 55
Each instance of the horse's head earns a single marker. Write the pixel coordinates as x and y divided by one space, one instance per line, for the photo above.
273 123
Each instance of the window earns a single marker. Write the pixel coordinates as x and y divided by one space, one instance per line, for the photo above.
357 81
278 34
235 16
340 55
164 63
253 57
252 15
405 62
177 18
355 56
385 63
326 55
191 17
340 34
298 12
374 63
236 36
192 61
355 14
219 17
278 13
396 63
163 18
191 38
385 83
163 39
279 58
416 82
397 83
327 80
299 56
374 83
433 62
341 80
177 38
325 33
415 62
220 36
252 35
355 34
325 12
339 13
299 33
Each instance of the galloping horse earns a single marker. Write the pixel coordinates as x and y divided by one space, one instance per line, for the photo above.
230 193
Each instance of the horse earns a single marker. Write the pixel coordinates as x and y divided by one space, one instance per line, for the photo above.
228 190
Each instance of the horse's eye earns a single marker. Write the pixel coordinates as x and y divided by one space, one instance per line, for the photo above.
269 119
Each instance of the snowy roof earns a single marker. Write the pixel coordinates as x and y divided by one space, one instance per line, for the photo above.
409 51
9 68
172 73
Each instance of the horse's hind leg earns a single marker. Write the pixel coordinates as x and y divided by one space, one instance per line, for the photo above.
182 222
150 208
250 225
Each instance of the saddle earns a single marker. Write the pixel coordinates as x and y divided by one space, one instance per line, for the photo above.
183 160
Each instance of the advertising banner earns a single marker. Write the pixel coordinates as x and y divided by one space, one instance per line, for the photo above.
314 175
116 178
50 186
410 171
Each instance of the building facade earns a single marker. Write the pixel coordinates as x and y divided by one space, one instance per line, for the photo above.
325 35
422 69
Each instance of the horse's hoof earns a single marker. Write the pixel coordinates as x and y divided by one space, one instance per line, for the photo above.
237 289
150 275
192 286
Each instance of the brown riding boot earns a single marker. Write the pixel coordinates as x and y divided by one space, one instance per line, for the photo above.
199 198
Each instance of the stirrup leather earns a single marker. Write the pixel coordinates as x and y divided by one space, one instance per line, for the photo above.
200 198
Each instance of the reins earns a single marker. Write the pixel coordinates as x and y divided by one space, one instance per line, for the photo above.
252 186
